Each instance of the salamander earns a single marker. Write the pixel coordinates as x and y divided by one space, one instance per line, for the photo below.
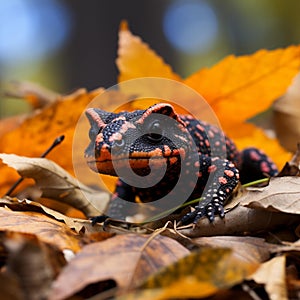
197 158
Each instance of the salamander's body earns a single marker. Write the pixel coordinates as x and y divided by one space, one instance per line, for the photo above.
197 159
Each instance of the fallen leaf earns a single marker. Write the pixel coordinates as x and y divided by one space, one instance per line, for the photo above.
46 229
275 285
56 183
292 167
10 287
10 123
240 220
292 274
133 54
236 88
33 263
79 225
37 132
286 116
200 274
126 259
281 195
246 248
35 94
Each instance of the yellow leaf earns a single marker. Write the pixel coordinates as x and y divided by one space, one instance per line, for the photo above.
201 274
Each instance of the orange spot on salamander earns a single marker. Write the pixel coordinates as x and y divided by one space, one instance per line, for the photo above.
126 126
264 167
200 127
173 160
223 180
167 150
199 174
211 134
229 173
212 168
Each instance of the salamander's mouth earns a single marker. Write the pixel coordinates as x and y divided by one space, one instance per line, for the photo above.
141 163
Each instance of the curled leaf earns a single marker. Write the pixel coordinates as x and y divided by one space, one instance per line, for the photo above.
58 184
46 229
281 195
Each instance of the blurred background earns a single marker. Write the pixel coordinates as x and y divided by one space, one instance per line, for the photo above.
67 44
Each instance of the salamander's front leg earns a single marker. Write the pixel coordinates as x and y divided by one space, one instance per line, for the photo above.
123 194
223 178
117 208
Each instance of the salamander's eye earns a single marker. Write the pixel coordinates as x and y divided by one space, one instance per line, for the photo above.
155 132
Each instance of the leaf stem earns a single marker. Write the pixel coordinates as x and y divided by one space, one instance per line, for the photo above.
56 142
263 180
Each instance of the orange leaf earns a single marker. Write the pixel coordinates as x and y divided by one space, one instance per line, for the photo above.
238 88
255 137
36 133
136 59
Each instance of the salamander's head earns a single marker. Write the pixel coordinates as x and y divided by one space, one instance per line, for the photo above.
131 139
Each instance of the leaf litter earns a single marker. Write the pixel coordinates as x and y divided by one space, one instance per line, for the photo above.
258 237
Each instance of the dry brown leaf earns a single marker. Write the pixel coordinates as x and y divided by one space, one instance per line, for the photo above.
45 228
286 247
58 184
32 262
10 287
272 275
292 167
126 259
241 220
260 209
37 95
248 249
79 225
286 116
281 195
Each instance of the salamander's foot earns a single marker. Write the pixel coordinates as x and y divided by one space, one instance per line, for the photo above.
99 219
208 209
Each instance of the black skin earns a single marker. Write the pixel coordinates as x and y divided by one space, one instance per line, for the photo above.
168 138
